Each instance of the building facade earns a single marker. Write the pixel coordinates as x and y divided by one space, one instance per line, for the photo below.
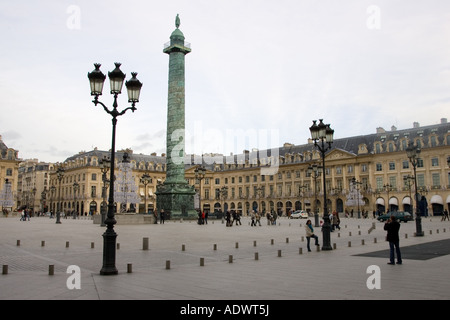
376 165
9 172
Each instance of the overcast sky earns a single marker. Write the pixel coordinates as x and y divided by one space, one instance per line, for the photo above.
259 72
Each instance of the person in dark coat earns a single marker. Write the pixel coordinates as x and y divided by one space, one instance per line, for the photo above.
392 227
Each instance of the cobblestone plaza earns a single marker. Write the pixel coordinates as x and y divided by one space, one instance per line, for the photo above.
187 261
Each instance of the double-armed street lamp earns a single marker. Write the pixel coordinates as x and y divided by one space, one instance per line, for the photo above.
96 80
322 135
413 152
200 173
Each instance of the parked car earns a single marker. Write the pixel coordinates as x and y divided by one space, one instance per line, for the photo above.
299 214
400 215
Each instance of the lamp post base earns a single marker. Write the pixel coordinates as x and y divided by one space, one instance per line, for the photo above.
326 233
419 232
109 253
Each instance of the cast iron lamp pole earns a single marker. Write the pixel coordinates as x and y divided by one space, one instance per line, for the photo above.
60 174
316 170
323 133
413 152
96 80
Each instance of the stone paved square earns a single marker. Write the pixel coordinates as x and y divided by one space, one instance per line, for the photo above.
279 273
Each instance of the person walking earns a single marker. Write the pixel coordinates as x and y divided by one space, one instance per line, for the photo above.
162 217
445 216
310 234
392 227
253 217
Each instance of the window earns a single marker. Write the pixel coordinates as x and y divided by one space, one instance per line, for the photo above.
405 164
436 180
434 162
93 191
420 180
9 172
377 148
364 167
379 181
391 165
419 163
338 170
379 167
393 182
391 147
349 168
433 141
94 177
217 181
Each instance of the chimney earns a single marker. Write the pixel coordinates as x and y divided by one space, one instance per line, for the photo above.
416 125
443 120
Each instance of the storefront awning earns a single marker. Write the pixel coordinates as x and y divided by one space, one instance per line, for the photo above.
437 199
406 200
380 201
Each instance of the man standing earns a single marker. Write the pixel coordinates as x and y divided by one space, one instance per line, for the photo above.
392 227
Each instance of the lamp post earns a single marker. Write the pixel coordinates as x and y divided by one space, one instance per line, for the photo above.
76 188
322 133
387 187
315 171
356 185
200 173
413 152
145 179
96 80
60 174
409 179
104 168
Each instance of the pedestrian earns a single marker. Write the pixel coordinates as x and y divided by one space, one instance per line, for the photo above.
206 216
258 219
253 216
445 216
310 234
392 227
228 216
162 216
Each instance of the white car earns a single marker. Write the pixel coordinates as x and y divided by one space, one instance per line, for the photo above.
299 214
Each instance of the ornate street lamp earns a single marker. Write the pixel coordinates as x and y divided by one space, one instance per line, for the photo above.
315 171
96 80
145 179
322 134
200 173
104 168
76 189
413 153
60 174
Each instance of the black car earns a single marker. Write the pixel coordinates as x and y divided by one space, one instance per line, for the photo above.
400 215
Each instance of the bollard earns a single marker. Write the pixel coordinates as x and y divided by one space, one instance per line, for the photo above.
375 240
303 238
129 268
237 245
350 233
92 245
18 243
271 241
349 243
362 242
183 247
230 258
431 231
339 234
5 269
287 240
359 233
51 269
144 243
406 236
67 244
167 264
202 262
215 246
300 250
334 246
318 248
42 243
279 253
118 246
254 243
256 256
